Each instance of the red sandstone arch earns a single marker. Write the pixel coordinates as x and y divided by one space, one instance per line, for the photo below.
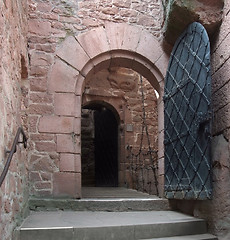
114 45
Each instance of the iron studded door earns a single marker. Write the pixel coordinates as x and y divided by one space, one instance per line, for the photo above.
187 115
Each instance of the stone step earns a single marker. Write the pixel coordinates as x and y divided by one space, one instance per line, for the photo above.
103 199
189 237
87 225
115 205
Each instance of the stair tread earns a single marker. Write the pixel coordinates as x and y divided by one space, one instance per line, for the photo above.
188 237
82 219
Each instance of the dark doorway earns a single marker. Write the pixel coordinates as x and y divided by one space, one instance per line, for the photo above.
99 147
106 148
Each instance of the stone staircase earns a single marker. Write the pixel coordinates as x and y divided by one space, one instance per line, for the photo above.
109 214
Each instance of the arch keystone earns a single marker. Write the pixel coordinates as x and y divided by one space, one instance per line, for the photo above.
116 34
122 36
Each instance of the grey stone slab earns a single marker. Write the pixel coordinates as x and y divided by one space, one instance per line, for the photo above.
109 225
98 219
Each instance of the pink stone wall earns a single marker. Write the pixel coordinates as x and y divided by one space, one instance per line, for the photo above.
13 74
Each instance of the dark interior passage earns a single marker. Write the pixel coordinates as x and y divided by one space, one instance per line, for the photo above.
99 147
106 148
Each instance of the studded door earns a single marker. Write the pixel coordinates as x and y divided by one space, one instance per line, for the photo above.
187 116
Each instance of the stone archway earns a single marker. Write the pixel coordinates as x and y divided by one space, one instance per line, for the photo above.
114 45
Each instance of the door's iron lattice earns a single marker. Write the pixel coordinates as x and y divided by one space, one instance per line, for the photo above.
187 117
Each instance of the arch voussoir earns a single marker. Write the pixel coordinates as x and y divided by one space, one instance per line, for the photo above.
94 42
72 52
149 47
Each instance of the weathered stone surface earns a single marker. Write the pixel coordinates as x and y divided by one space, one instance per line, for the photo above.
70 163
68 143
63 77
39 27
73 53
55 124
67 185
94 42
64 104
40 59
147 42
180 13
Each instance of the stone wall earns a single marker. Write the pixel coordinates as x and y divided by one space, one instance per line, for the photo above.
13 74
53 127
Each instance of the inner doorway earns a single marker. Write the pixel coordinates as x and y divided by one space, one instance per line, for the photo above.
99 147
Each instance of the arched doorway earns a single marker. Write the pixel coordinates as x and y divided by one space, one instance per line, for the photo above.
99 137
114 45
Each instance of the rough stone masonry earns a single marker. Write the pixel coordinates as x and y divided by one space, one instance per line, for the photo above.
38 81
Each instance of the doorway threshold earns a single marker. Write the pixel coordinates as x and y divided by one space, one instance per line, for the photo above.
114 193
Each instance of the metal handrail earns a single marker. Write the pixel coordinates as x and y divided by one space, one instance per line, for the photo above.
12 151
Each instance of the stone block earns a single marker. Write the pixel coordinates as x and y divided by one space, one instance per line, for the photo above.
38 71
67 185
40 109
45 146
41 97
149 47
70 163
43 164
116 34
122 4
39 27
72 52
38 84
132 37
94 42
68 143
64 104
62 78
40 59
55 124
36 137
